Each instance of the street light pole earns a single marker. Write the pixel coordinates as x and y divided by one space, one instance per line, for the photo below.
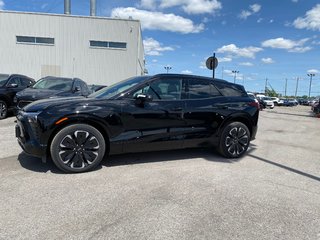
235 75
310 75
167 68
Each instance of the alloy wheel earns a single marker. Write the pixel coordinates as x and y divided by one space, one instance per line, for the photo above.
79 149
237 141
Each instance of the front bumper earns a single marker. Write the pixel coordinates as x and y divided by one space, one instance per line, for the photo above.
29 140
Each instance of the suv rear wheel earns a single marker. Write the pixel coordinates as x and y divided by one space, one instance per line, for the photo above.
235 139
3 109
77 148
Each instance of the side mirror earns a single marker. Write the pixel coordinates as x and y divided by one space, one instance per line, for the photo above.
143 98
12 85
77 89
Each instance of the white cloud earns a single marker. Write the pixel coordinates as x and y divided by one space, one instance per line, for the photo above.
158 20
254 8
233 50
310 21
153 47
148 4
287 44
193 6
1 5
314 71
154 60
247 64
225 59
186 72
267 60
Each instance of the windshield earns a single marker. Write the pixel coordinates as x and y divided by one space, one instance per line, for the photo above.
62 84
266 98
3 79
117 88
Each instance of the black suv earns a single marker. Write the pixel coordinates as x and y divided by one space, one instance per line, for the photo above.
146 113
9 86
52 87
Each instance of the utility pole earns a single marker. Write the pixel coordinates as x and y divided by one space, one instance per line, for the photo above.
167 68
266 87
235 75
310 75
297 86
285 88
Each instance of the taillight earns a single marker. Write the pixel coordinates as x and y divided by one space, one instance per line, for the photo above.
254 104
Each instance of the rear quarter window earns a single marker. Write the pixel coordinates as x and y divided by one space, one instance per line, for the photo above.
231 90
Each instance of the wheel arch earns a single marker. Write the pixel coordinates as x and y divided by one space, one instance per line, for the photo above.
237 118
83 120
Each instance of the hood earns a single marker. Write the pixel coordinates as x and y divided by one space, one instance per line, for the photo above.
33 94
46 103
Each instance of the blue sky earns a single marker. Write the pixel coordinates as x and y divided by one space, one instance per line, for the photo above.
261 39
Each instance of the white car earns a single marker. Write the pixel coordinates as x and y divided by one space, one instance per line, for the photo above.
268 102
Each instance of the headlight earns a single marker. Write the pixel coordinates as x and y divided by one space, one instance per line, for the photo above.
31 117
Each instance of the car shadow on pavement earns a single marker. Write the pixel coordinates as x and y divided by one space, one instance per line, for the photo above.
285 167
166 156
35 164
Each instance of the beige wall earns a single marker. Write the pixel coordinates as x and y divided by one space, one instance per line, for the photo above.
71 55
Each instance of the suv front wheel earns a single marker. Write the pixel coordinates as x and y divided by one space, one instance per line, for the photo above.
77 148
235 139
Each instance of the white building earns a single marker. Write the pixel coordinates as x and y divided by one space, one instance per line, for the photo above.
96 49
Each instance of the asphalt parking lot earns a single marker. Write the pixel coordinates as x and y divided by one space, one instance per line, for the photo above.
271 193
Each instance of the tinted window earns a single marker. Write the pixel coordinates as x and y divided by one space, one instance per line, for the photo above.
163 89
15 80
3 79
117 45
105 44
201 88
62 84
230 90
85 89
26 82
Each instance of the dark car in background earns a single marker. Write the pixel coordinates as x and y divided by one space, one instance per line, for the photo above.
146 113
52 87
94 88
9 86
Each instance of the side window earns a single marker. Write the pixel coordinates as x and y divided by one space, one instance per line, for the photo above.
26 82
163 89
201 88
77 86
85 90
231 90
15 80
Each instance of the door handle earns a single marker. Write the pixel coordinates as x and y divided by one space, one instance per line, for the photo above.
220 106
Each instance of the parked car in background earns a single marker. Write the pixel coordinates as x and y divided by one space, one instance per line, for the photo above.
94 88
9 86
275 100
261 104
145 113
268 102
52 87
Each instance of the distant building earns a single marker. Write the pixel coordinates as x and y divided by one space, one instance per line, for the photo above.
96 49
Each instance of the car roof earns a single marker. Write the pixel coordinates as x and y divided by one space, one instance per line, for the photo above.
190 76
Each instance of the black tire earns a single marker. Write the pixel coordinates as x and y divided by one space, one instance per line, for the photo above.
234 140
77 148
3 109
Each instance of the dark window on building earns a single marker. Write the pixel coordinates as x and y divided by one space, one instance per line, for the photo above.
104 44
35 40
231 90
200 88
99 44
117 45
